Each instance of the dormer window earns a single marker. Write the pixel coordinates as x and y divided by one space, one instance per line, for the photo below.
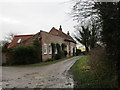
19 40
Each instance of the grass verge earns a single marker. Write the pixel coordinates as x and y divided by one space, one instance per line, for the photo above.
46 63
83 76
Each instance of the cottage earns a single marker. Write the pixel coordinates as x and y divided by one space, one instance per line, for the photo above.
45 39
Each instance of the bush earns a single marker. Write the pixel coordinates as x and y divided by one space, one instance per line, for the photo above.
57 56
65 53
50 59
60 55
78 52
53 50
63 46
74 54
24 55
58 48
104 69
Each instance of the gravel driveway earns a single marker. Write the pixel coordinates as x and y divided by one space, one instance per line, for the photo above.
50 76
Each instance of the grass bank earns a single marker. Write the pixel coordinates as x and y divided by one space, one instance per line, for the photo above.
91 73
83 76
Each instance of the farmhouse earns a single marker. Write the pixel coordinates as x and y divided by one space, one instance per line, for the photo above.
45 40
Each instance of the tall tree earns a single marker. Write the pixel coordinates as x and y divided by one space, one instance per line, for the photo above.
94 32
86 15
84 37
109 13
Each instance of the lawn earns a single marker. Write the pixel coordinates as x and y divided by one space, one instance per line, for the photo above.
83 76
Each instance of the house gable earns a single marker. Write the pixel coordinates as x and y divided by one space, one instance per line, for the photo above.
59 33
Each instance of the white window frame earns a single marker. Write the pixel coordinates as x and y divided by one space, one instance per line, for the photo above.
50 49
19 40
55 50
71 49
67 48
45 48
75 49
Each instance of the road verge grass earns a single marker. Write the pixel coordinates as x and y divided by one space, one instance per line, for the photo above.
83 76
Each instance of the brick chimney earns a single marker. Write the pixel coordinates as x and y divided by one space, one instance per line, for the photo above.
68 33
60 28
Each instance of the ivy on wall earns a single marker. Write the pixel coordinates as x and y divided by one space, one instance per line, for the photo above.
63 46
53 50
61 52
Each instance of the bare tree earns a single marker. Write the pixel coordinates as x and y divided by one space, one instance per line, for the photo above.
84 10
86 14
9 37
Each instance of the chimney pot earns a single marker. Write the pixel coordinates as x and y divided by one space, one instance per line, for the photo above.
60 28
68 33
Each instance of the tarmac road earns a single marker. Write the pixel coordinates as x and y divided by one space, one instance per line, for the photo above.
49 76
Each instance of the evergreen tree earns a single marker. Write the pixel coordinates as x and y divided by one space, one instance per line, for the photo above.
110 17
84 37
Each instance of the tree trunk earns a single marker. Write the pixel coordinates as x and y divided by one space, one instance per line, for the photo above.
87 49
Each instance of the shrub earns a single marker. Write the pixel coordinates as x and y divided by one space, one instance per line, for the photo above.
25 55
57 56
78 52
104 69
60 51
60 55
53 50
58 48
50 59
65 53
74 52
63 46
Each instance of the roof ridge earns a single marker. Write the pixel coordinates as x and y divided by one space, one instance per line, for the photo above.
24 35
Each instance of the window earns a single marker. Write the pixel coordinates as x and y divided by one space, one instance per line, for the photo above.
45 48
50 49
56 51
19 40
75 49
67 49
71 49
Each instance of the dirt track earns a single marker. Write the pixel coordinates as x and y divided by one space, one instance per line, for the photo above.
50 76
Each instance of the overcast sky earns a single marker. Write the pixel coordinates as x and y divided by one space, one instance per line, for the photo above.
31 16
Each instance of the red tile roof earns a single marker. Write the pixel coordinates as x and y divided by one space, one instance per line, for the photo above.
17 37
25 38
